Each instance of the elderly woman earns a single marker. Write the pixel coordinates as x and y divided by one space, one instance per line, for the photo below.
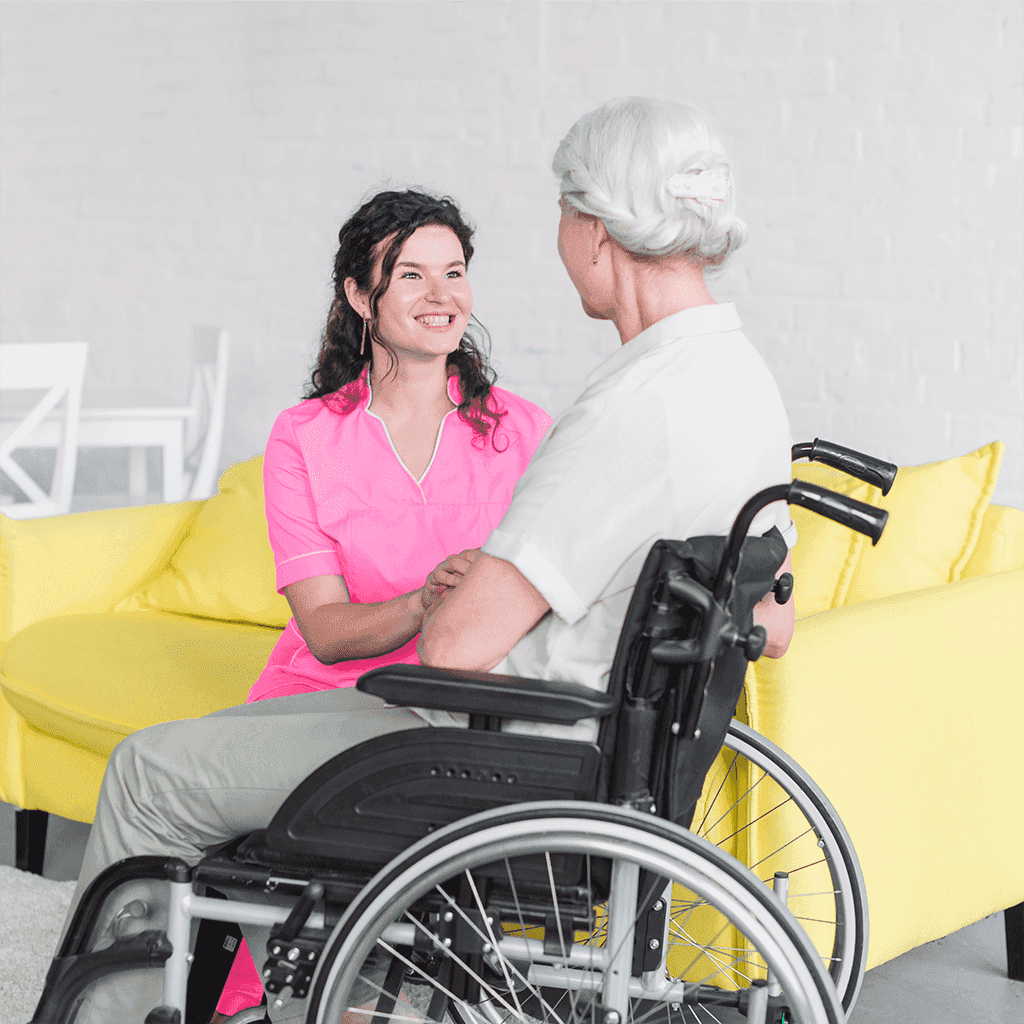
673 432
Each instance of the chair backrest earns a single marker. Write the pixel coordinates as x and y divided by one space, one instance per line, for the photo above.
57 370
204 434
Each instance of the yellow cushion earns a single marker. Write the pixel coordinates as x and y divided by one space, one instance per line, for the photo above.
82 563
93 679
935 516
1000 544
224 568
936 513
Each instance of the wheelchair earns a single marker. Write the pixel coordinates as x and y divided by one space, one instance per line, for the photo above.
485 876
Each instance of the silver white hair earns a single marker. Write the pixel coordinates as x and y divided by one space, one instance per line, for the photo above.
615 163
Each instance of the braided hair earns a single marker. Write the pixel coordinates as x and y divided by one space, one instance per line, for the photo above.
615 164
379 228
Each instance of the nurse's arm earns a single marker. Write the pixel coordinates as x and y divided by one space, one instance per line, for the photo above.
336 630
482 619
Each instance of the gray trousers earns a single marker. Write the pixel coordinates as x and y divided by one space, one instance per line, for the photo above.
179 788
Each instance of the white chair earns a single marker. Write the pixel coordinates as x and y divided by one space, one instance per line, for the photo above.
56 369
190 436
210 350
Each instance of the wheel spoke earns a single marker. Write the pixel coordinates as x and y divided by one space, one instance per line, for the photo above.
743 796
700 830
558 922
493 941
749 824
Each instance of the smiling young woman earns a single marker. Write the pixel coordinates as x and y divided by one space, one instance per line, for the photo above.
419 322
381 485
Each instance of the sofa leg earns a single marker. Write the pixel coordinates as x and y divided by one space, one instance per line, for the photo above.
1013 919
30 843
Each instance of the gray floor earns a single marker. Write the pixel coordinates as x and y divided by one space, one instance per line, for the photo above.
960 979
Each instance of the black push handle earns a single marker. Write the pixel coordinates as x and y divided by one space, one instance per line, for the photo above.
855 514
863 467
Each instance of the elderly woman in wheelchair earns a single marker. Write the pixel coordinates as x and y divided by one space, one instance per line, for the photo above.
548 862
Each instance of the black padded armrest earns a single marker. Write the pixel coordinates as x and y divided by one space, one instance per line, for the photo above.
484 693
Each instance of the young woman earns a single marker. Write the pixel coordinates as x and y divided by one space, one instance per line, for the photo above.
403 453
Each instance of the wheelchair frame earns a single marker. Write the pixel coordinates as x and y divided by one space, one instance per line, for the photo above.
683 630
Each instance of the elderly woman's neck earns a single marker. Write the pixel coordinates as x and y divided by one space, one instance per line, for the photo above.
646 293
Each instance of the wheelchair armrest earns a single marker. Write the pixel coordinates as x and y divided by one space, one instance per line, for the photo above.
484 693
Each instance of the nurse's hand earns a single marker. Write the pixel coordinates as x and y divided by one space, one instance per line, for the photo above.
445 577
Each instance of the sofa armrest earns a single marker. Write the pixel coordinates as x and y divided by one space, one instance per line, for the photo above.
82 563
486 693
908 712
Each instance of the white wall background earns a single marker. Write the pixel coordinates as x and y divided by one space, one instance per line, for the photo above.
165 164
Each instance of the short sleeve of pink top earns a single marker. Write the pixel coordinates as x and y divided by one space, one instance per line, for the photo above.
341 502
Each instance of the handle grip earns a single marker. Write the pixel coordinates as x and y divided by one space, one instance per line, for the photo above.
863 467
855 514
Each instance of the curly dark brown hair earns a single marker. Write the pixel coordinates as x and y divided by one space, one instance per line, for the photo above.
394 216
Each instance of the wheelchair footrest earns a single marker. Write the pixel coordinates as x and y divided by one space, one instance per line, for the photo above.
68 976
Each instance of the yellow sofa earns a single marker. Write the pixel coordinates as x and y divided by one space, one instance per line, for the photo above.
901 694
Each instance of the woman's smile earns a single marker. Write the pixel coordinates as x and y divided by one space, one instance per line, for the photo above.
435 321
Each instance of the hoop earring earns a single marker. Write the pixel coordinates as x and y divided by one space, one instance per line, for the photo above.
362 347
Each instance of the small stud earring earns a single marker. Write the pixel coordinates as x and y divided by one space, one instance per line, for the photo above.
595 260
362 347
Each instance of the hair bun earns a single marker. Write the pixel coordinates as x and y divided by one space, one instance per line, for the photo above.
657 175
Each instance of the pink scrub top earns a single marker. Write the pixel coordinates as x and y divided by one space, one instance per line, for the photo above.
340 502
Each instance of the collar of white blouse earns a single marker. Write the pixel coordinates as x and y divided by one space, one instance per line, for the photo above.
688 323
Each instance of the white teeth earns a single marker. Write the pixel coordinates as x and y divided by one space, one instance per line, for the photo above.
434 321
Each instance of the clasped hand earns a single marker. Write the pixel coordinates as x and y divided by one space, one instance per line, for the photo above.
447 576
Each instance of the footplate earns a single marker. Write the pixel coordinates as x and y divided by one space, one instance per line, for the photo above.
68 976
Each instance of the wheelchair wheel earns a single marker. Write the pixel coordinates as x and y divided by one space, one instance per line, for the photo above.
550 912
763 808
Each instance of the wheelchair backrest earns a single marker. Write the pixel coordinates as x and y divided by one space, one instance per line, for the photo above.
671 658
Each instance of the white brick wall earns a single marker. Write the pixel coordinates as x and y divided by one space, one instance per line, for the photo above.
170 163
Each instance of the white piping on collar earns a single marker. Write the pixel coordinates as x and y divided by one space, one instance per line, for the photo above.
387 434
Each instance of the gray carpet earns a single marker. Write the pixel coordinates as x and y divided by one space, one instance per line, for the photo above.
32 911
